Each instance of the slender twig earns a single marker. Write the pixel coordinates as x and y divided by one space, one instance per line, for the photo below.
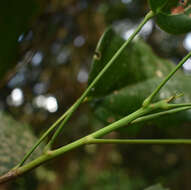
52 127
157 115
170 106
148 100
145 20
48 155
85 140
80 100
139 141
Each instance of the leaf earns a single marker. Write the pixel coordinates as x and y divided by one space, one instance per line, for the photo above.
15 140
132 66
173 16
144 71
156 5
156 187
128 99
15 17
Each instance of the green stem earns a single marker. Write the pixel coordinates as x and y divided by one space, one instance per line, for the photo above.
78 102
52 127
156 115
114 126
147 17
139 141
52 154
171 106
85 140
148 100
58 131
15 172
120 123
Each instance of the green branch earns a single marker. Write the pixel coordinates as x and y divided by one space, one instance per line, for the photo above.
145 20
89 139
148 100
139 141
60 151
156 115
69 112
52 127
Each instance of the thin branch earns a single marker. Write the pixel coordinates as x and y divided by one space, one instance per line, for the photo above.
49 155
148 100
149 15
69 112
156 115
139 141
52 127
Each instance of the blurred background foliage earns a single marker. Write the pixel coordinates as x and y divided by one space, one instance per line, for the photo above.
48 70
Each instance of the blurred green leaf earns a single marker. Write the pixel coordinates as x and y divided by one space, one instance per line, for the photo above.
128 99
173 16
15 140
136 63
15 17
156 187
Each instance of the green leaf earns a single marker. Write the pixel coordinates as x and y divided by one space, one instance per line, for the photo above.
156 5
15 17
15 140
156 187
173 16
128 99
132 66
143 72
